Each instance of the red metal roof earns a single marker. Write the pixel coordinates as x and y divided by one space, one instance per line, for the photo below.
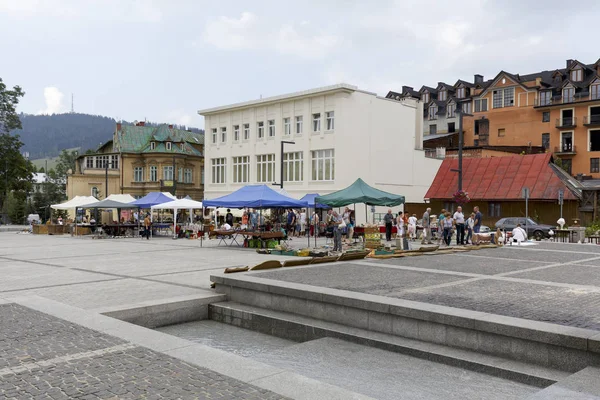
500 178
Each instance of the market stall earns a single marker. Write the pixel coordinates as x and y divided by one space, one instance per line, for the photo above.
113 228
180 204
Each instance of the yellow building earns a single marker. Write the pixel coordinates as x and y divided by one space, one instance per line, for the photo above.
141 159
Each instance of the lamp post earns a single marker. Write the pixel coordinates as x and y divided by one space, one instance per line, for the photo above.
280 184
461 114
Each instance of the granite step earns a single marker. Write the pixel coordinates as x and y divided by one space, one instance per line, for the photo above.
303 329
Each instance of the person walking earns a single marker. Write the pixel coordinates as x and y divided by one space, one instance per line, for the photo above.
147 224
459 220
337 231
470 224
477 224
303 222
412 226
447 224
388 220
426 227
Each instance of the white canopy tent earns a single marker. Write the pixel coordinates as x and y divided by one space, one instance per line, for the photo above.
121 198
76 201
179 204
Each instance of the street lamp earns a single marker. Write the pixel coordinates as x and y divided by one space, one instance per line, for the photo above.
280 184
461 114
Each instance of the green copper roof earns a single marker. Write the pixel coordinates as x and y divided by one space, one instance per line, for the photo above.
137 139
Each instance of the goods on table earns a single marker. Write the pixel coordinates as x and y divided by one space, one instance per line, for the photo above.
372 237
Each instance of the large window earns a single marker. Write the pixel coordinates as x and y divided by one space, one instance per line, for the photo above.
568 95
432 112
460 93
89 162
594 165
271 128
246 131
442 95
260 130
218 170
466 107
168 173
299 122
432 129
451 110
481 105
577 75
287 127
495 209
595 92
214 135
595 140
265 168
241 169
153 173
545 98
179 174
323 165
293 165
546 140
138 174
187 175
316 120
223 135
503 98
101 161
329 115
236 133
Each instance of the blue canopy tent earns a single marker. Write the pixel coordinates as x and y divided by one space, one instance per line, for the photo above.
310 200
152 199
255 196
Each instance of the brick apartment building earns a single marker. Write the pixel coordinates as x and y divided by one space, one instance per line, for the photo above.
556 111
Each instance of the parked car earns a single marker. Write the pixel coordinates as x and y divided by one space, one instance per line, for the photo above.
538 231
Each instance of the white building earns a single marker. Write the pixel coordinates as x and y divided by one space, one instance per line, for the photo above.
341 133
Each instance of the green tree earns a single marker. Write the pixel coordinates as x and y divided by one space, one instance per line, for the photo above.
66 162
9 119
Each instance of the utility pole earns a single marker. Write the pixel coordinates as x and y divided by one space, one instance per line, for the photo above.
280 184
461 114
174 177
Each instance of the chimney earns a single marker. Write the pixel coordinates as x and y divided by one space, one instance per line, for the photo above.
478 78
118 126
569 62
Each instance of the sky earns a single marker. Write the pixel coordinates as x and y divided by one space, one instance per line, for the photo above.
162 61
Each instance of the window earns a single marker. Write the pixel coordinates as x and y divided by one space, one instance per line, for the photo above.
316 118
241 169
271 128
223 135
101 161
451 127
95 191
432 129
293 166
218 170
466 108
460 93
495 209
442 94
567 118
246 131
481 105
432 112
323 165
546 116
594 165
260 129
426 97
265 168
138 174
577 75
501 132
187 175
153 173
182 146
152 145
503 97
475 142
329 115
545 98
179 174
169 146
236 133
451 110
546 140
287 128
566 142
595 140
214 136
595 92
568 94
299 125
168 173
89 162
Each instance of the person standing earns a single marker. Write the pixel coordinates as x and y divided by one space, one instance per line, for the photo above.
412 226
337 231
459 220
426 227
388 220
229 217
291 223
297 218
303 222
350 225
477 224
447 223
245 220
470 224
314 224
253 219
147 224
400 225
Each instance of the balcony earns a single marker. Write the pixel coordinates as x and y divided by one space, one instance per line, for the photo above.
592 120
565 149
439 153
566 122
546 102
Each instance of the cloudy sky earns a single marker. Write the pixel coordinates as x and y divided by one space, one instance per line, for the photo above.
163 60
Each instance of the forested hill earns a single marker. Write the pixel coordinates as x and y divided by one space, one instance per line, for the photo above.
46 135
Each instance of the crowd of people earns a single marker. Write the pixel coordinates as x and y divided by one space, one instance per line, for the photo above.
447 223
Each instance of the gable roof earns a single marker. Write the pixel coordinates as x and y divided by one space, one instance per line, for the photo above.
136 139
501 178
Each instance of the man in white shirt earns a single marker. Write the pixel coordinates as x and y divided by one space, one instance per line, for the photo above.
412 226
519 235
303 222
459 219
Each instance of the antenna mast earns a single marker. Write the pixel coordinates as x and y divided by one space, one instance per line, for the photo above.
72 107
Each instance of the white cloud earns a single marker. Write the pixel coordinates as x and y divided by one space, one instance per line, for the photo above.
249 32
54 101
179 117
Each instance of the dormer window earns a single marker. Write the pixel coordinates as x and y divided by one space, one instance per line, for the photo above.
595 91
181 146
568 95
433 112
577 75
426 97
451 110
152 145
169 145
442 94
460 93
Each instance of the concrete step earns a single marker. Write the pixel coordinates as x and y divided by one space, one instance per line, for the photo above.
303 329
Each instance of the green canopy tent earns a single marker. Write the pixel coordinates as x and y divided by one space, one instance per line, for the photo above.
360 192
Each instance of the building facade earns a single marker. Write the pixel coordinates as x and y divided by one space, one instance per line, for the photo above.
141 159
339 133
558 110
